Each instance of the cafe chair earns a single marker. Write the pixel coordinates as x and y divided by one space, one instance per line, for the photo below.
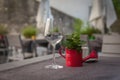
3 49
16 49
85 47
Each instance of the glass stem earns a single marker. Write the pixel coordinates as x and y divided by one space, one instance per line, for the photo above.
53 52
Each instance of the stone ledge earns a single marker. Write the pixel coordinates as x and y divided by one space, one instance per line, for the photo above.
16 64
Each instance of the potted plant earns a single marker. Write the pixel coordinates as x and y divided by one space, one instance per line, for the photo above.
73 46
29 31
89 30
3 31
55 30
116 4
73 40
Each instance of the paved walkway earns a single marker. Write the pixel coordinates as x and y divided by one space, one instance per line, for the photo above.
107 68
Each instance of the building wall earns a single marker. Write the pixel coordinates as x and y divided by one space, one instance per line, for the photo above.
76 8
18 13
63 21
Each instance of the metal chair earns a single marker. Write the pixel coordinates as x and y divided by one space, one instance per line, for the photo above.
3 49
96 44
85 47
16 50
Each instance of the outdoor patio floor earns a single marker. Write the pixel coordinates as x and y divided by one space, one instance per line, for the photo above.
107 68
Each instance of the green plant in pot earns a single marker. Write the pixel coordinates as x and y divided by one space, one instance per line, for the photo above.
89 30
73 46
29 31
116 4
73 40
55 30
3 31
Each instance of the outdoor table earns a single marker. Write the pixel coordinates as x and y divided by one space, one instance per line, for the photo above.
107 68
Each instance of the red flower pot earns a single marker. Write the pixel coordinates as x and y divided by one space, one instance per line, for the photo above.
73 58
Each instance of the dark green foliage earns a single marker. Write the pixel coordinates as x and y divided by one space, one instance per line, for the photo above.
3 30
29 31
73 41
90 30
117 7
55 29
77 26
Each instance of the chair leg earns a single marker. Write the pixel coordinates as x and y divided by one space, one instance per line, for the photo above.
20 54
3 57
15 54
9 53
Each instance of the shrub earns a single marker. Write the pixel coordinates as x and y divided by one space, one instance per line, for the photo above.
73 40
29 31
3 30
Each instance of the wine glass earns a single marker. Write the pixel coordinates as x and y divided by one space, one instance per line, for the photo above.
54 39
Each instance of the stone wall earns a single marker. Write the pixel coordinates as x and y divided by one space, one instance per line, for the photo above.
18 13
116 26
63 21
